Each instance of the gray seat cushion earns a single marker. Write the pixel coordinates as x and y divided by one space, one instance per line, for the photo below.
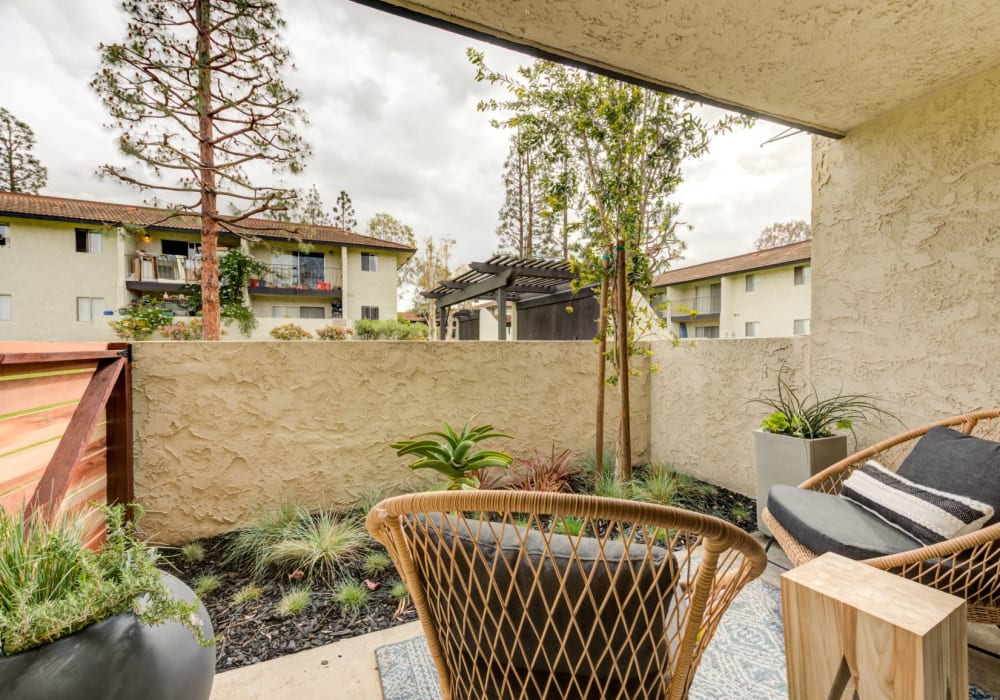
951 461
826 523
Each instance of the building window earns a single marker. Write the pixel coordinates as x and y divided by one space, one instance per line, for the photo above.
369 312
369 262
4 236
803 275
89 241
88 308
801 326
298 312
751 283
751 329
706 331
6 307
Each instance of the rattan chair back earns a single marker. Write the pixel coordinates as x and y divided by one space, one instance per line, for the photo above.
557 596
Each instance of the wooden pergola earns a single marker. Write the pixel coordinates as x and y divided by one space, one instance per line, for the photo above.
502 278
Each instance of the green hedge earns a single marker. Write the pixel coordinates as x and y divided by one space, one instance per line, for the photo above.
365 329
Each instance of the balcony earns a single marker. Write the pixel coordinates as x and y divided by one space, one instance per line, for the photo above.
299 280
692 308
147 272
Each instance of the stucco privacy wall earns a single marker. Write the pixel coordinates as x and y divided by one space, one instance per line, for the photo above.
224 429
906 255
700 418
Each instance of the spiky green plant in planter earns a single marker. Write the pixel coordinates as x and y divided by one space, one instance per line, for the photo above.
455 456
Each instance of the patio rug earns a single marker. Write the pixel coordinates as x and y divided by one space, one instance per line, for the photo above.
745 661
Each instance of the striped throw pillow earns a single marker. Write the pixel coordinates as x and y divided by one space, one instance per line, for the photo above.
923 513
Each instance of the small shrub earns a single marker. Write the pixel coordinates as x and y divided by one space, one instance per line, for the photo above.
568 526
333 333
495 479
377 563
399 591
367 329
741 512
352 595
550 474
290 331
193 552
248 593
206 584
321 546
183 330
140 319
609 486
669 487
585 478
294 601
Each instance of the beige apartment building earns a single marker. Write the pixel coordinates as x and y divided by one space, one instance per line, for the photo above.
761 294
67 266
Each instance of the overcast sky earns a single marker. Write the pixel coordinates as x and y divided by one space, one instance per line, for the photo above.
393 121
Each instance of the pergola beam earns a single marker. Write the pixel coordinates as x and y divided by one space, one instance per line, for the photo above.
474 291
547 273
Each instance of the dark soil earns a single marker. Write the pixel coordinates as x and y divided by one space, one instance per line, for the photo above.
256 631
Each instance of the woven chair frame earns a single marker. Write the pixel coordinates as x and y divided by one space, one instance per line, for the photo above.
966 566
531 625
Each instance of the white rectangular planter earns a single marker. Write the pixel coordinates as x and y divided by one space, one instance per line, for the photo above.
781 459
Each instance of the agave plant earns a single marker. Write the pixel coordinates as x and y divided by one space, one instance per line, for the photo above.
456 457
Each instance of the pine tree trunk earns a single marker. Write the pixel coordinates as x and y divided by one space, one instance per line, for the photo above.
211 316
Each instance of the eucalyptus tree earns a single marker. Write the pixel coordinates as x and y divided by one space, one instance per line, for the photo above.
196 94
783 233
620 148
20 170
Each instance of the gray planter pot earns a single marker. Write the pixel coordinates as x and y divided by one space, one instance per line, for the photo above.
117 658
781 459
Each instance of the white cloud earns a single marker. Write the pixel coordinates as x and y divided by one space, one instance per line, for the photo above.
391 105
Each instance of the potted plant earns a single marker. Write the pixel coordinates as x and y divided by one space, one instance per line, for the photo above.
104 623
455 457
799 438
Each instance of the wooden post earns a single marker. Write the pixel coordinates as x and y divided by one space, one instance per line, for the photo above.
621 327
501 314
853 631
120 478
602 363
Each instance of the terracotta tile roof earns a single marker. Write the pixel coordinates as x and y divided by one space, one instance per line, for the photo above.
757 260
77 210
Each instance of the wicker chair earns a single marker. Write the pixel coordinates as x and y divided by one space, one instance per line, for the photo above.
511 607
967 566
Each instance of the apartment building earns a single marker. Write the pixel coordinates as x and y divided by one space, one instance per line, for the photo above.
67 266
761 294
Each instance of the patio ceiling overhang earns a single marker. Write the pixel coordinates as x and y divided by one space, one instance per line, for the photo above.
825 67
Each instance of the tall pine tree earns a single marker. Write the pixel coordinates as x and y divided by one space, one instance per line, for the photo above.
343 212
20 171
195 91
526 226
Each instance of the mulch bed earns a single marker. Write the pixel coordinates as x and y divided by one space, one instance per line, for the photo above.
255 631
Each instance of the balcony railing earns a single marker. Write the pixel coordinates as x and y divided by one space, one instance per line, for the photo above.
692 306
298 278
170 269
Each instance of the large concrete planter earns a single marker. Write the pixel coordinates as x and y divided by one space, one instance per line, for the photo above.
117 658
781 459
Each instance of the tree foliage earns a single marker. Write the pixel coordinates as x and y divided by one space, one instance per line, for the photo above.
432 264
388 228
526 224
343 212
614 153
783 233
20 171
196 94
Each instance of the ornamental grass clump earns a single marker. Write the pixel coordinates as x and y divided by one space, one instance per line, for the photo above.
455 456
808 416
376 563
352 595
251 547
294 601
668 487
52 586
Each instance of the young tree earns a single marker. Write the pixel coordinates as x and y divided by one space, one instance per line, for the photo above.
432 266
783 233
20 171
343 212
526 226
625 146
388 228
196 91
312 210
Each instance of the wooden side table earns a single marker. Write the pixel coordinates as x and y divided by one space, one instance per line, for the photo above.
852 631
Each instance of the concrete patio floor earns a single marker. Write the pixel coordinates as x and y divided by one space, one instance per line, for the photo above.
347 669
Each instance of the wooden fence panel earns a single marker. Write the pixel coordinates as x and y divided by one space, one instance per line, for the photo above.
65 428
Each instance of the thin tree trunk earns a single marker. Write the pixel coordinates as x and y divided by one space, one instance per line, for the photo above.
624 453
602 348
530 247
209 212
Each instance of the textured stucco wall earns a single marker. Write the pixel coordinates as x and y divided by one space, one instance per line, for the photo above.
700 420
906 255
223 429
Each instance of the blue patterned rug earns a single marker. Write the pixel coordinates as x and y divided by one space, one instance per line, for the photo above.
745 661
